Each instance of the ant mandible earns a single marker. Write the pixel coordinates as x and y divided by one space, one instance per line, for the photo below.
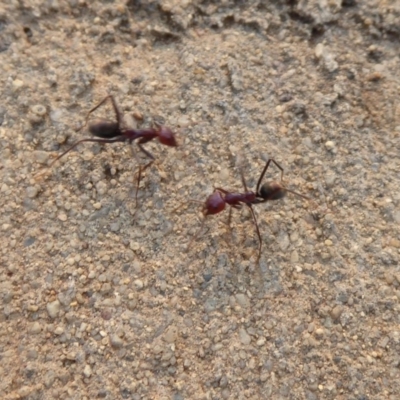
273 190
112 132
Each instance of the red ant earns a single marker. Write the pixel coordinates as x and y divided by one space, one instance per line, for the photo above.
273 190
112 132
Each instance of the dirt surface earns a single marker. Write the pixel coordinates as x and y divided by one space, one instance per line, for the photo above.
98 301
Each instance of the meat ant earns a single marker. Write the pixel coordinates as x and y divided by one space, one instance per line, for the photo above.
272 190
112 132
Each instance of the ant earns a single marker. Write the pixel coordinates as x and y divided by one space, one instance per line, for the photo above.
112 132
272 190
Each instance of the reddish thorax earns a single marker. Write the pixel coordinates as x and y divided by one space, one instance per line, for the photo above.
164 135
234 199
217 201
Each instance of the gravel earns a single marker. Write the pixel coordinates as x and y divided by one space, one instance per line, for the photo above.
101 299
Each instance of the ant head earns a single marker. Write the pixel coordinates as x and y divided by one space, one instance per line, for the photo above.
214 204
272 191
166 136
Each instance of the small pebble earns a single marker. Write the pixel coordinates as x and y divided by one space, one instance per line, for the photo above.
330 145
183 121
53 308
170 334
71 261
226 394
337 312
62 217
32 192
115 227
134 246
49 378
56 114
39 110
36 328
116 341
261 341
244 336
319 50
87 371
319 332
59 331
101 188
25 391
7 297
242 300
92 275
294 256
139 284
71 355
224 174
283 241
97 206
138 116
330 180
294 236
17 83
40 157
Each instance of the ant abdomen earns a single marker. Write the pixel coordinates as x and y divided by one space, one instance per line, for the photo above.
272 191
105 129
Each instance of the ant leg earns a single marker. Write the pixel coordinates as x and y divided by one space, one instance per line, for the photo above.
141 170
316 205
134 155
258 232
243 180
229 223
147 153
139 178
202 222
185 203
114 104
221 190
238 207
113 140
265 170
197 233
229 219
118 115
298 194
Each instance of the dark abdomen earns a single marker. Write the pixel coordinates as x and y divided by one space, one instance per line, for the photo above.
105 130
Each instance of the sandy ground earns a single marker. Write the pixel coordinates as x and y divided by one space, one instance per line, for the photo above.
100 302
